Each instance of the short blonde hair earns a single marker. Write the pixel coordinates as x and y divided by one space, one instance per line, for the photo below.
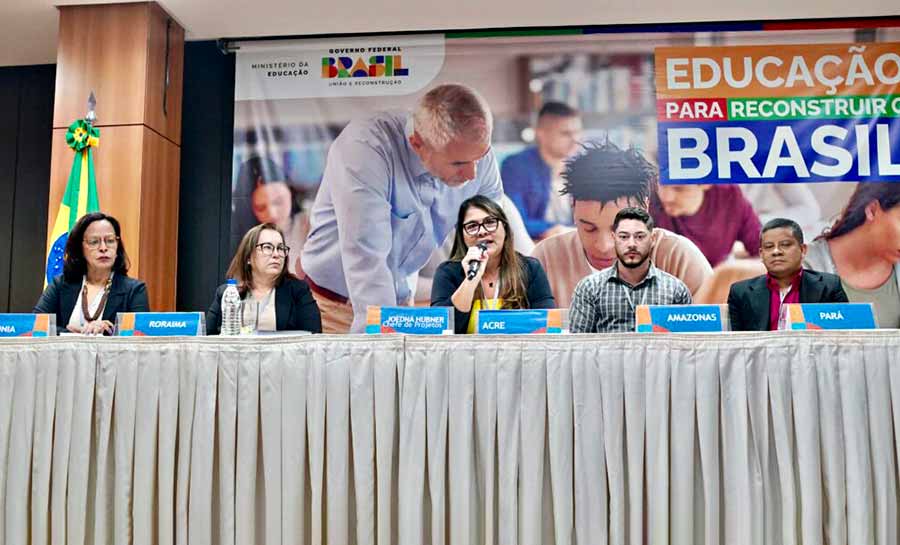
450 111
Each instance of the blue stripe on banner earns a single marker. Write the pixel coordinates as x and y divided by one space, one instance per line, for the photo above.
820 150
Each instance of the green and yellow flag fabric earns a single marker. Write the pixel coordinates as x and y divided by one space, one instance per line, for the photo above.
80 197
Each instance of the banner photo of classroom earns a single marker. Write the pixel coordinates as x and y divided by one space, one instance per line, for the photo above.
740 126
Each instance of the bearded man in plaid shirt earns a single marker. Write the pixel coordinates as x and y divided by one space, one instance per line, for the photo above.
605 302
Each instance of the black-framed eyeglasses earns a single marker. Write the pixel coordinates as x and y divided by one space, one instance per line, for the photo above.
489 223
267 248
94 243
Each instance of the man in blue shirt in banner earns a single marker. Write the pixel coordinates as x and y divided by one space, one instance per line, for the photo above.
390 193
532 178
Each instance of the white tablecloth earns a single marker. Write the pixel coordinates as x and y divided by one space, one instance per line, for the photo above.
621 439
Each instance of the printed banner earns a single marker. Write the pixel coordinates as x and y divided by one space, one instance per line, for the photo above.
346 67
520 322
779 114
410 320
747 125
831 316
27 325
681 318
160 324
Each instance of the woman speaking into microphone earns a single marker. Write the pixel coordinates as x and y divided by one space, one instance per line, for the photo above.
484 271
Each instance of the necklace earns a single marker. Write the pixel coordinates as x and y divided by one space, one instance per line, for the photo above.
494 302
88 317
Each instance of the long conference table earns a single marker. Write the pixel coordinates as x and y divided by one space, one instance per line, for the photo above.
768 438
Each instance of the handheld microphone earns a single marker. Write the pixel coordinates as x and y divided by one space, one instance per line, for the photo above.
475 265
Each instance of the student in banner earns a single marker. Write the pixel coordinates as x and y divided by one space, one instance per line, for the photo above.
790 200
605 302
391 191
755 304
94 285
260 267
264 194
601 181
504 279
714 217
863 248
532 178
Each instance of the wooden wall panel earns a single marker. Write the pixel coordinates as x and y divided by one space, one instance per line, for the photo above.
119 51
166 121
159 220
104 49
117 165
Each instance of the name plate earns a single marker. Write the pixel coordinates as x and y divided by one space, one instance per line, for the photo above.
410 320
160 324
681 318
830 316
520 322
27 325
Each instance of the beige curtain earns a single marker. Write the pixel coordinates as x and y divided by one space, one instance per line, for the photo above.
784 438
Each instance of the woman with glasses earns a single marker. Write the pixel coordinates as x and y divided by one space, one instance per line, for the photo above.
502 277
94 285
260 267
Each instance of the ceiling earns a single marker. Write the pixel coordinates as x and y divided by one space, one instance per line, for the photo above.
29 27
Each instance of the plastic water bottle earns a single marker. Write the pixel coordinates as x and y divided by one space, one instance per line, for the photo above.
231 309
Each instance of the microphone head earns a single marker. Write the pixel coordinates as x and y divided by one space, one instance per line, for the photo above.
482 246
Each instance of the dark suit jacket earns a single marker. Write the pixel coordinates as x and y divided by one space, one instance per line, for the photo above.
125 295
449 276
748 300
295 309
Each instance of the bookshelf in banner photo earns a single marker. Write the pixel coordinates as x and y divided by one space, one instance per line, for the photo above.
614 93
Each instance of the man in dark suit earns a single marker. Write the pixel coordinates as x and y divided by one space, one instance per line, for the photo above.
755 304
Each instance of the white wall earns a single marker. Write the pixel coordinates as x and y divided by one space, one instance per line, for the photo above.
29 27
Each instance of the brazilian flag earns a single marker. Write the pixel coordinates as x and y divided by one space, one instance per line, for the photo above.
80 197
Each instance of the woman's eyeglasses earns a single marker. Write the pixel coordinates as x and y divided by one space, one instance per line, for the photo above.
94 243
489 223
267 248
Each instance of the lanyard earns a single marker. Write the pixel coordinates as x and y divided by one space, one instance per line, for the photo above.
491 304
628 292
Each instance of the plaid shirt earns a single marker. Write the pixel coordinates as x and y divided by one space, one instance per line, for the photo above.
603 303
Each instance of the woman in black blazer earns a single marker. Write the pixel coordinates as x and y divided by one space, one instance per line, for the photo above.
260 267
503 279
94 285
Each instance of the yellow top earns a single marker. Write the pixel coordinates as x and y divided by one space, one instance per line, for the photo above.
490 304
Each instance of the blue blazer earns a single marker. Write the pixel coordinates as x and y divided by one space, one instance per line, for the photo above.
125 295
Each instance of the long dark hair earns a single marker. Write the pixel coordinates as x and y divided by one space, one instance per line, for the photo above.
854 214
253 173
74 262
240 268
512 273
